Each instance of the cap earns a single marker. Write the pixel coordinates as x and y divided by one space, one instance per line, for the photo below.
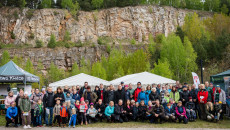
126 85
91 104
218 86
122 82
220 102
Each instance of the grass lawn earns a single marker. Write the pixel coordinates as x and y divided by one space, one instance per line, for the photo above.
198 124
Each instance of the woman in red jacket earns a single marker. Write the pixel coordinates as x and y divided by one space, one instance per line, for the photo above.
202 97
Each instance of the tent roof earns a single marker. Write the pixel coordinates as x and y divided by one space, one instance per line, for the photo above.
79 79
222 74
10 72
144 78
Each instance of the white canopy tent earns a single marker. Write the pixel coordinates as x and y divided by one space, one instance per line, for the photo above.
145 78
79 79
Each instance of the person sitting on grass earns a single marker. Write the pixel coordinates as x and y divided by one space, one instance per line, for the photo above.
11 114
217 110
149 112
100 107
120 112
135 111
129 110
38 112
142 111
170 113
109 112
209 110
158 112
181 113
91 114
190 109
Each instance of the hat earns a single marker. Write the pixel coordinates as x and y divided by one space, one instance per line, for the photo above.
220 102
185 83
184 87
211 83
91 104
217 86
82 99
43 89
126 85
190 98
26 93
122 82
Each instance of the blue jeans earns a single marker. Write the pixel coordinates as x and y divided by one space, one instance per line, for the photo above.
39 120
72 120
47 116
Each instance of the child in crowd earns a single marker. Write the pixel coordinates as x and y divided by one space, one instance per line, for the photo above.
169 113
69 107
56 112
73 118
64 114
135 111
38 112
68 97
142 111
217 110
91 114
181 113
190 109
82 111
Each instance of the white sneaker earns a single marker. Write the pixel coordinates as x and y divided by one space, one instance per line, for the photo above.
25 127
29 127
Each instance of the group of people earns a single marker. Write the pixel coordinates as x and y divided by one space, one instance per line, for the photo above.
73 105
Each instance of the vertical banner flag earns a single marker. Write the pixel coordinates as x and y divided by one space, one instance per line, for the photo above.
196 79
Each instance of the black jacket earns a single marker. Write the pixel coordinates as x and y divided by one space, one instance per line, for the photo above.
154 96
128 110
190 105
119 94
184 95
60 95
102 107
110 96
48 99
142 110
118 111
104 95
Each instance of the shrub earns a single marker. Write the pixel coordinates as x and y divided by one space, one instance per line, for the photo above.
100 41
12 35
31 36
39 44
52 42
133 41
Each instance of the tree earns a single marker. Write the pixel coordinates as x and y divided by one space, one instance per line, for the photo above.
29 66
162 69
97 4
52 42
75 69
212 5
46 3
120 72
5 57
55 73
67 37
22 3
66 4
193 27
18 61
224 9
98 70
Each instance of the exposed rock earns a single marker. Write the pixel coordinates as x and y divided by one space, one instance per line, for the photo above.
119 23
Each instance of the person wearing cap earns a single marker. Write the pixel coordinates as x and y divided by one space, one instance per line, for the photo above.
202 97
89 95
184 95
91 114
181 113
209 110
34 100
11 114
127 93
123 85
190 109
137 91
219 95
119 94
25 107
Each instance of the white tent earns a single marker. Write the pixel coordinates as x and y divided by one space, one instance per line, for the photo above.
78 80
145 78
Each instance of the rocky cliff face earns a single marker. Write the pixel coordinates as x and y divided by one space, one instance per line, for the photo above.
119 23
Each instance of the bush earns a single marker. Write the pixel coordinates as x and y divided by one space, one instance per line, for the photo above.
133 41
100 41
12 35
31 36
52 42
39 44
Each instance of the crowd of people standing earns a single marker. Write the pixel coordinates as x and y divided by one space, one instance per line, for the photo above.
73 105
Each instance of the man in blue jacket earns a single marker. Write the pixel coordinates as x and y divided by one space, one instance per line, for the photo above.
11 114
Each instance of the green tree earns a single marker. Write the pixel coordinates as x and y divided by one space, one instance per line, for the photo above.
67 37
29 66
119 73
97 4
224 9
46 3
75 69
98 70
66 4
22 3
212 5
162 69
55 73
18 61
52 42
5 57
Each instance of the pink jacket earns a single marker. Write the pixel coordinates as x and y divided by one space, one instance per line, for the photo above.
86 107
8 100
178 114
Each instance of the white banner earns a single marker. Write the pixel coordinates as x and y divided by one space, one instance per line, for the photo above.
196 79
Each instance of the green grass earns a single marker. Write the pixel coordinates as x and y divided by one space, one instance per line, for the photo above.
198 124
